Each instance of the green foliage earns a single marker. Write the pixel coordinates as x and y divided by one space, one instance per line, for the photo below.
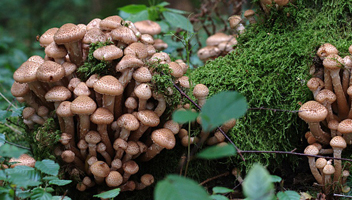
184 116
109 194
216 152
94 66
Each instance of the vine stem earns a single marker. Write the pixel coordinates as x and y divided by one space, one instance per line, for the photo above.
7 100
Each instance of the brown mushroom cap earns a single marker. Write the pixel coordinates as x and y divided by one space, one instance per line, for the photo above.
69 68
94 35
108 85
19 89
248 13
58 93
24 159
148 117
124 34
217 38
142 75
176 69
55 51
345 126
326 49
47 37
208 52
110 22
68 156
27 72
234 20
200 91
114 179
102 116
130 167
69 33
164 138
36 59
136 49
312 111
108 53
50 71
147 179
329 169
128 61
128 121
83 105
92 137
64 109
333 61
100 169
82 90
338 142
148 27
143 91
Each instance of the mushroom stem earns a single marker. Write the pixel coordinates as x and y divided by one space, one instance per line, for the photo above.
102 129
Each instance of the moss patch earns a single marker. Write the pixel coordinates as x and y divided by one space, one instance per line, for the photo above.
270 66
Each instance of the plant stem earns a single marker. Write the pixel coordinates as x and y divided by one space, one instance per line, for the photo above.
7 100
215 177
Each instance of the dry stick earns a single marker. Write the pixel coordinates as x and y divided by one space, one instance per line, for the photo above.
341 195
215 177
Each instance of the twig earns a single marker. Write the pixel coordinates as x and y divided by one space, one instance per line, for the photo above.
64 195
215 177
341 195
12 128
275 110
17 145
7 100
294 153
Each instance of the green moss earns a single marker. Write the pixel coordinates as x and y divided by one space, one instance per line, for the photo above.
270 67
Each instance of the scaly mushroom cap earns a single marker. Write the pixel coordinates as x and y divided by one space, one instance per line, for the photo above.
130 167
147 179
100 169
234 20
338 142
36 59
173 126
27 112
68 156
124 34
326 49
345 126
312 111
93 137
128 61
110 23
73 83
159 44
148 117
102 116
164 138
69 33
147 39
311 150
176 69
248 13
333 61
81 90
143 91
108 53
69 68
200 91
136 49
217 38
47 37
55 51
50 71
83 105
128 121
208 52
27 72
148 27
94 35
314 83
114 179
142 75
19 89
326 95
94 23
108 85
329 169
64 109
320 163
24 159
58 93
132 148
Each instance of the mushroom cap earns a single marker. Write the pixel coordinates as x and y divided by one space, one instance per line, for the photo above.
110 23
132 148
108 85
143 91
325 95
120 143
148 27
128 61
27 72
136 49
36 59
43 111
50 71
320 163
93 137
311 150
28 112
94 23
65 138
114 179
333 61
329 169
173 126
338 142
124 34
184 81
248 13
82 90
69 68
234 20
19 89
108 53
326 49
345 126
148 118
73 83
217 38
64 109
131 103
208 52
160 57
24 159
128 121
47 37
333 124
147 39
58 93
94 35
83 105
159 44
314 83
142 75
147 179
228 46
200 91
55 51
92 79
176 69
100 169
312 111
68 156
130 167
164 138
102 116
68 33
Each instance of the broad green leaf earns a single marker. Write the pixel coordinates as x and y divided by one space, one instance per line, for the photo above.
184 116
60 198
275 179
3 115
2 139
40 194
257 185
176 11
23 176
221 190
109 194
16 111
218 197
143 15
175 187
3 175
133 8
217 151
50 178
222 107
5 196
11 151
23 194
164 26
48 167
60 182
163 4
288 195
178 20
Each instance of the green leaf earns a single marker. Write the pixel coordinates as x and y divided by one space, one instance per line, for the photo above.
184 116
60 182
11 151
288 195
40 194
50 178
16 111
23 194
60 198
275 179
143 15
23 176
257 185
6 196
221 190
217 151
175 187
109 194
2 139
164 26
176 11
178 21
133 8
48 167
3 115
163 4
218 197
222 107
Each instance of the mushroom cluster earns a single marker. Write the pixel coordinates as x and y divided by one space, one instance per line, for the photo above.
109 123
329 115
